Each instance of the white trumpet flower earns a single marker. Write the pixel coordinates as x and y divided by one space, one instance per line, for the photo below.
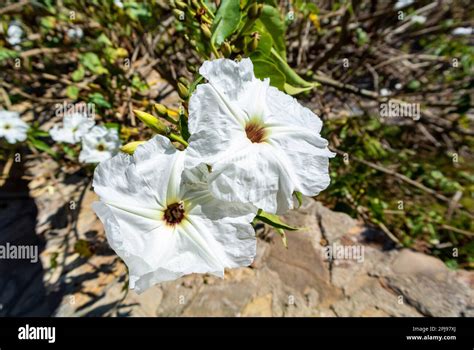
163 221
75 126
12 128
99 144
261 144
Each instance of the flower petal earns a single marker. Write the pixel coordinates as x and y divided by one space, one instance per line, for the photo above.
253 175
228 76
214 124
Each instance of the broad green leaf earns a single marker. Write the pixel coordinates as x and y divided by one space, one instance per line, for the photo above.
266 69
273 220
272 20
226 21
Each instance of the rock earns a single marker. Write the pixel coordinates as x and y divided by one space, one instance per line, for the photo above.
379 281
259 306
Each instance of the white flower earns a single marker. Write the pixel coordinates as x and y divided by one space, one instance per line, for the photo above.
462 31
14 33
118 3
75 33
12 128
163 222
385 92
75 126
99 144
418 19
262 144
403 3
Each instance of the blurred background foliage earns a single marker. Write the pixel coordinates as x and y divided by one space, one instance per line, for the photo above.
413 179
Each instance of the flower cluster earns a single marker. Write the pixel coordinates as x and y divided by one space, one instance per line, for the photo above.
169 213
12 128
98 142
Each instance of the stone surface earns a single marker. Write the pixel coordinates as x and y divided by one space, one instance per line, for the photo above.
334 266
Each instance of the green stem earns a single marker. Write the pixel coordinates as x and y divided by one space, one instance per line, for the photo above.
203 4
177 138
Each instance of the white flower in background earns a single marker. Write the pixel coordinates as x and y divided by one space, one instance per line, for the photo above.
418 19
75 33
12 128
14 33
75 126
403 3
118 3
385 92
163 221
262 144
99 144
462 31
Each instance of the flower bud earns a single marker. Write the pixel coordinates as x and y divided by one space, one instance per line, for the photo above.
253 45
255 11
130 147
226 49
152 122
206 31
161 109
183 91
181 4
184 81
178 14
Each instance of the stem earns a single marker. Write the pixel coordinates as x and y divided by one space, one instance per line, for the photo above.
203 4
177 138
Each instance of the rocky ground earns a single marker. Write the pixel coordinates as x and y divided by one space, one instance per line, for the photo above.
79 275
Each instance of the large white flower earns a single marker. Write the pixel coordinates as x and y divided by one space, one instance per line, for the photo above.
163 222
262 144
99 144
75 126
12 128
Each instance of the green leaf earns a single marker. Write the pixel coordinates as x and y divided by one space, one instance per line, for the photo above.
273 21
7 53
78 74
299 198
98 99
72 92
183 127
266 69
92 62
226 21
69 151
293 90
41 146
112 125
273 220
282 234
291 76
